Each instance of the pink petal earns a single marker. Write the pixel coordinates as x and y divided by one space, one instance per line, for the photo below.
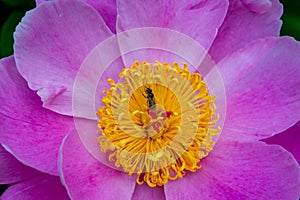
87 93
91 80
107 9
50 44
199 21
86 178
262 87
289 139
44 187
144 192
258 6
183 16
246 24
33 134
236 170
37 2
12 170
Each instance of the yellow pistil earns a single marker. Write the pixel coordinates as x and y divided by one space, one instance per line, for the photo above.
157 122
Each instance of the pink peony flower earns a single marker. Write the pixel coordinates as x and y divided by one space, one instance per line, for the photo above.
45 155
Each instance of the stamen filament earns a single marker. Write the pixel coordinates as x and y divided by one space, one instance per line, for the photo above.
158 123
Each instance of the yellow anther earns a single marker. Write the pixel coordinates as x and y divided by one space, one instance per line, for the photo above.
158 123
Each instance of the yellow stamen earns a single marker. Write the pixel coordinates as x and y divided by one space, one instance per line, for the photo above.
158 122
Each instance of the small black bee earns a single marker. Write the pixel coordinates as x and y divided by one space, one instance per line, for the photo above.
150 97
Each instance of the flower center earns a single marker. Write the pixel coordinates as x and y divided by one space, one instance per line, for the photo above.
158 121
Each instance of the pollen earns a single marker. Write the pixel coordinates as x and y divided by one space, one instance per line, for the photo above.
158 121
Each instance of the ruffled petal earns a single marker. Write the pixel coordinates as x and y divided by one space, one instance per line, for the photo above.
91 80
44 187
198 20
262 87
12 170
258 6
30 132
107 9
182 16
289 139
246 21
87 178
144 192
236 170
50 44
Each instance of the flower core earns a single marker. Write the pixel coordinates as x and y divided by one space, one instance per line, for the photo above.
158 121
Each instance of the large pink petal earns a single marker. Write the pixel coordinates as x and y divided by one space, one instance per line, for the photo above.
198 20
86 178
246 21
107 9
12 170
44 187
50 44
241 171
262 87
144 192
289 139
33 134
91 80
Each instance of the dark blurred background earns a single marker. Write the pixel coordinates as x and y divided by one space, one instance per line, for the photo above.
12 12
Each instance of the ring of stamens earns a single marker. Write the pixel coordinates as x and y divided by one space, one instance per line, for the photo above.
160 133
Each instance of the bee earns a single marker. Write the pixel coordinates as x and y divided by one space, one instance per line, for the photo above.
150 97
